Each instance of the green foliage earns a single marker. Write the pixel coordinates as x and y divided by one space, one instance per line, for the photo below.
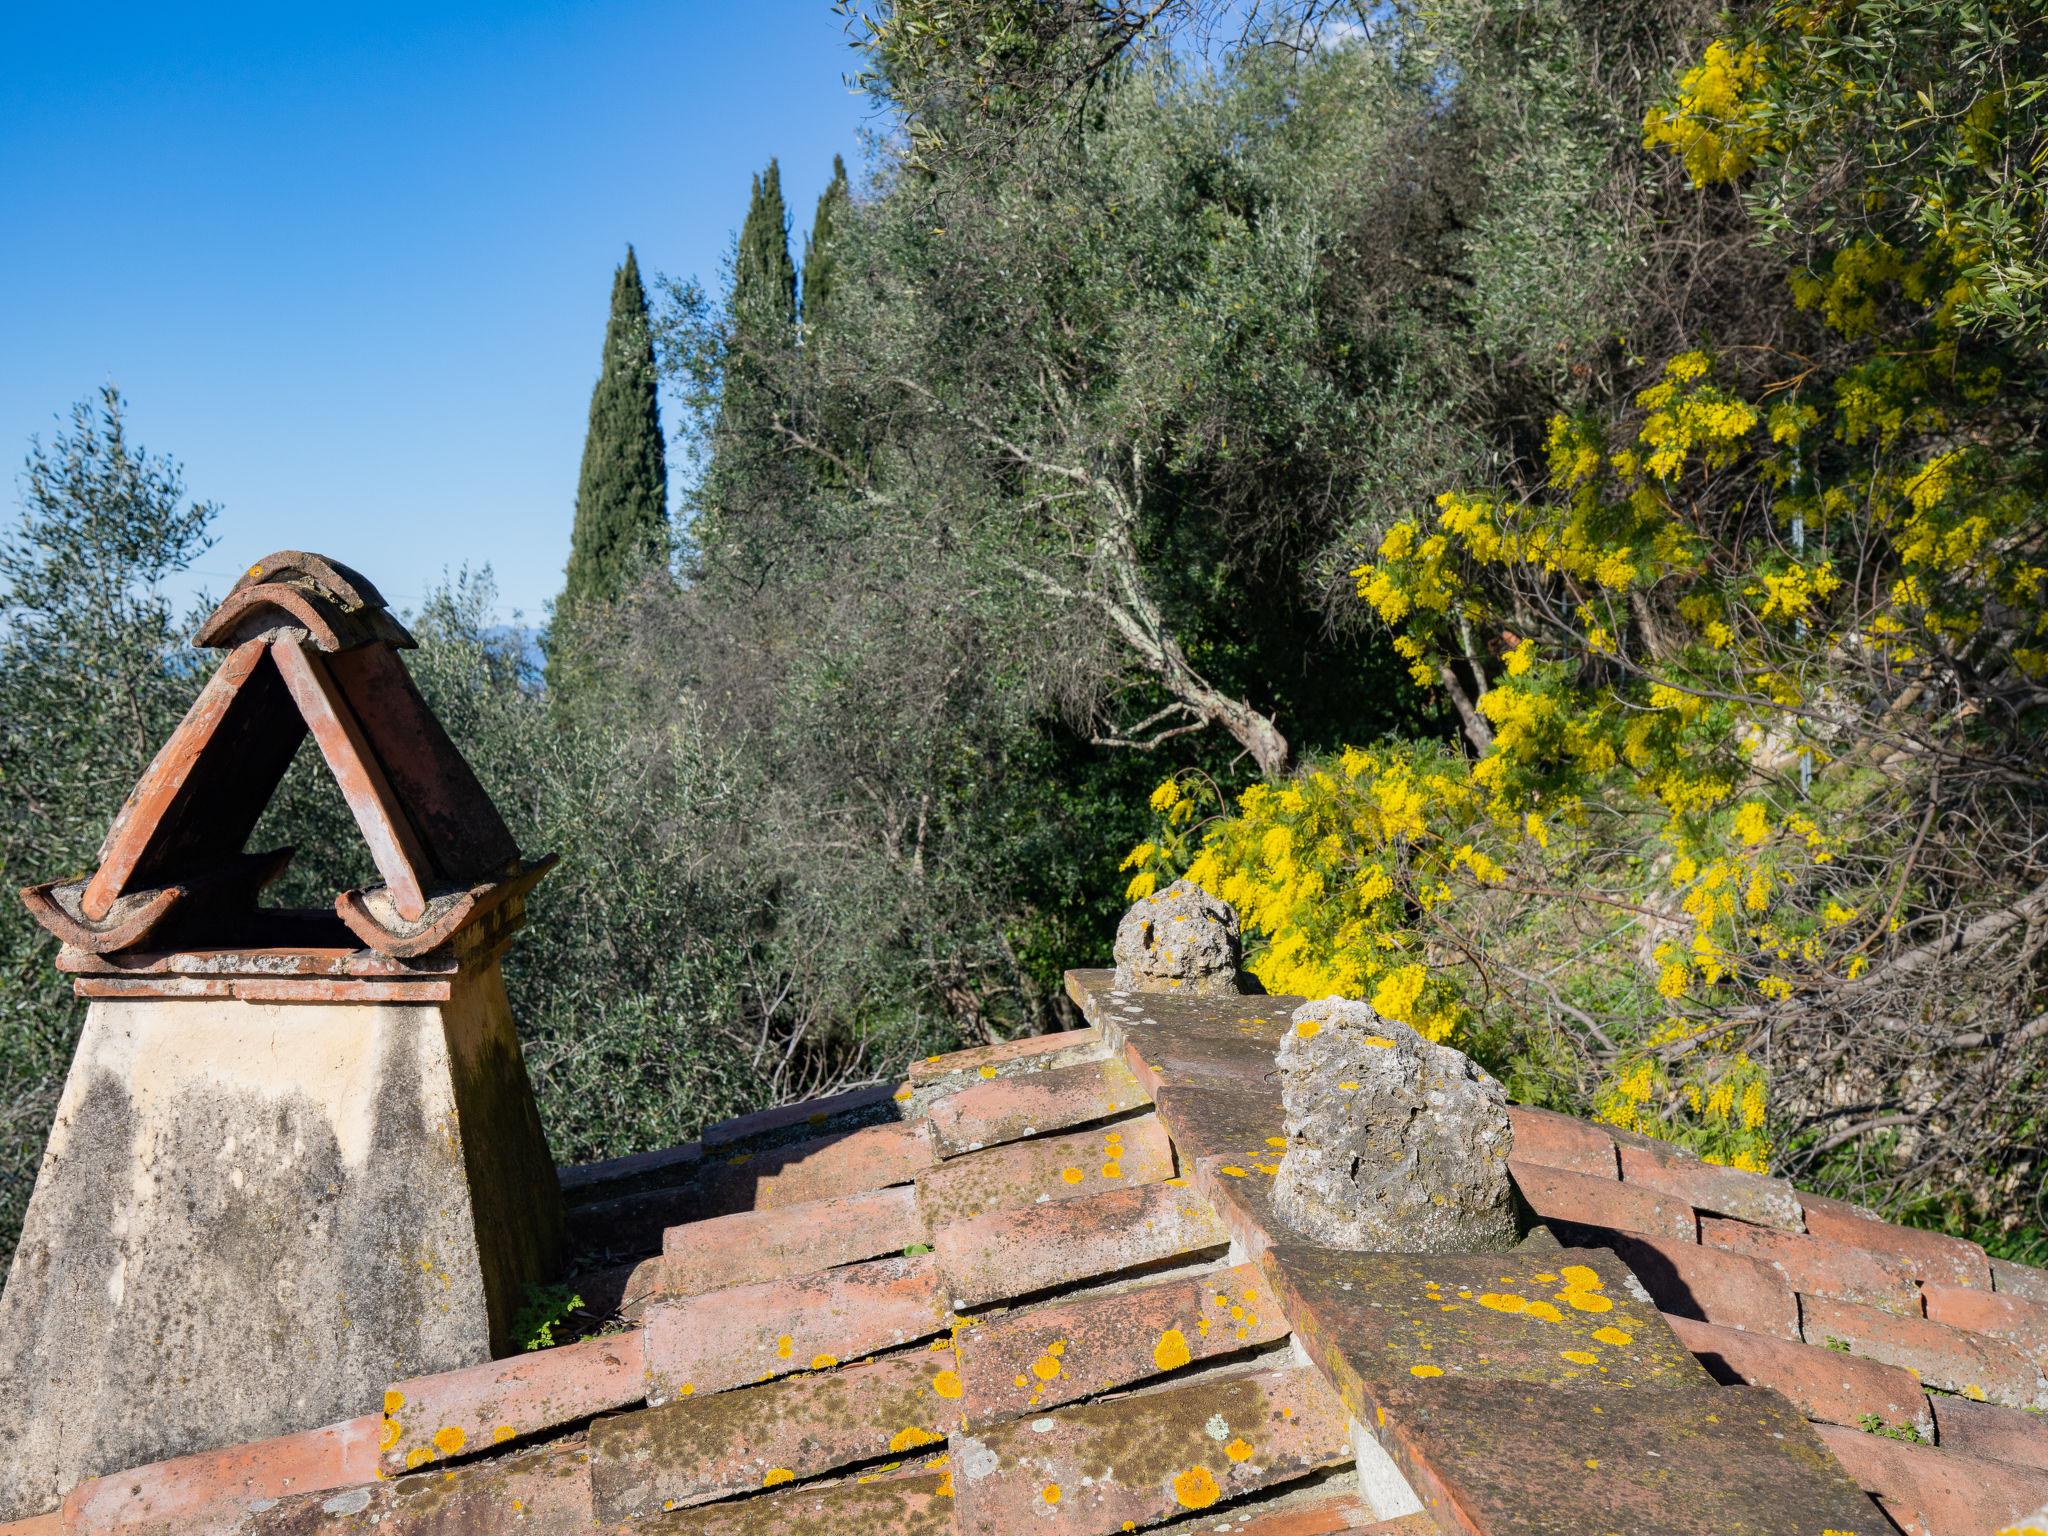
545 1312
1874 1424
621 527
821 257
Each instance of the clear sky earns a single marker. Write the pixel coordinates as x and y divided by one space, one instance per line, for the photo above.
351 264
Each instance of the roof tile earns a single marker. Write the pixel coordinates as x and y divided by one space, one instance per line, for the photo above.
1056 1099
1940 1356
1936 1491
1552 1140
1822 1383
1817 1265
705 1447
2020 1280
1926 1255
1003 1058
194 1492
1712 1285
753 1333
1085 1470
802 1119
2019 1322
1327 1516
1986 1429
920 1505
1710 1187
1240 1127
542 1489
1580 1204
1038 1359
869 1158
458 1412
1124 1155
1019 1252
750 1246
1189 1041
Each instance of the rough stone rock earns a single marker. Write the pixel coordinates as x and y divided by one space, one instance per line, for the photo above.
1180 939
1394 1145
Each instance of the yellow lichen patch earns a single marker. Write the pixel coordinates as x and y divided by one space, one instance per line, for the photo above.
1425 1371
1233 1170
1196 1488
1503 1301
1543 1311
1276 1141
910 1437
1072 1175
947 1384
501 1434
1308 1029
1586 1301
1578 1277
1239 1449
1349 1087
392 1430
393 1401
1973 1392
1381 1041
1171 1352
903 1093
1046 1368
1546 1278
1592 1463
988 1071
418 1456
778 1475
1614 1336
1580 1356
1057 1349
1112 1169
686 1389
823 1362
945 1488
449 1439
1050 1493
785 1346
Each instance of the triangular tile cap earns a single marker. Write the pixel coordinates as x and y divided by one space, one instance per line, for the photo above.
333 604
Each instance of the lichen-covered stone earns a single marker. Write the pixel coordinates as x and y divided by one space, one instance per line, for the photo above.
1394 1144
1180 939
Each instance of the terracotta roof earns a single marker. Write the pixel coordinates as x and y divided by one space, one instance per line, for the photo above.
1038 1288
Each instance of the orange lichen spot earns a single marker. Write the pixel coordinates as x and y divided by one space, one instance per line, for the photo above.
1112 1169
1050 1493
947 1384
1202 1326
1580 1356
393 1401
418 1456
1046 1367
1196 1488
449 1439
1308 1029
1543 1311
1177 1183
1503 1301
1239 1449
1580 1278
1349 1087
945 1488
1586 1301
778 1475
1381 1041
1237 1314
502 1433
1614 1336
392 1430
785 1346
823 1362
903 1093
686 1389
1592 1463
1973 1392
1233 1170
519 1506
1072 1175
910 1437
1276 1141
1020 1381
1171 1352
1425 1371
1466 1294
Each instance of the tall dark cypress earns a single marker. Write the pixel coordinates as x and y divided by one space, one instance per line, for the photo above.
622 497
764 278
821 257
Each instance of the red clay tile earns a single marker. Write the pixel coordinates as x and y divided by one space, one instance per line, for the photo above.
1296 1516
750 1246
1580 1204
705 1447
1515 1459
1708 1187
1219 1041
803 1118
1089 1469
1035 1360
1376 1322
541 1489
1120 1156
1016 1253
1242 1193
887 1506
1240 1125
1712 1285
1004 1058
1946 1491
2019 1322
2020 1280
1925 1255
613 1176
457 1413
1149 1077
755 1332
1817 1265
1544 1137
1056 1099
1939 1355
208 1489
1986 1429
1822 1383
872 1157
51 1524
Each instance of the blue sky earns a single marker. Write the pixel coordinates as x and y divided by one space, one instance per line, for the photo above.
351 265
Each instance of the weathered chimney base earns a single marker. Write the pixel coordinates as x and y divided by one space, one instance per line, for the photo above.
252 1217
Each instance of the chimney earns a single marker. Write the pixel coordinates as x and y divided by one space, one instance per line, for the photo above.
297 1156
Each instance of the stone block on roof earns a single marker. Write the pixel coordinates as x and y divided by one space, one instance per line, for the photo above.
783 1241
1709 1187
1498 1459
1949 1358
1008 1254
1243 1125
1925 1255
1988 1429
919 1505
756 1332
1583 1205
1713 1285
202 1492
1121 1155
1819 1266
1551 1140
456 1413
1085 1470
1822 1383
1379 1325
1031 1104
704 1447
1937 1491
1190 1041
1036 1360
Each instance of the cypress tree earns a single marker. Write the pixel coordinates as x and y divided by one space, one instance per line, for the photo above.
763 277
821 265
622 497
